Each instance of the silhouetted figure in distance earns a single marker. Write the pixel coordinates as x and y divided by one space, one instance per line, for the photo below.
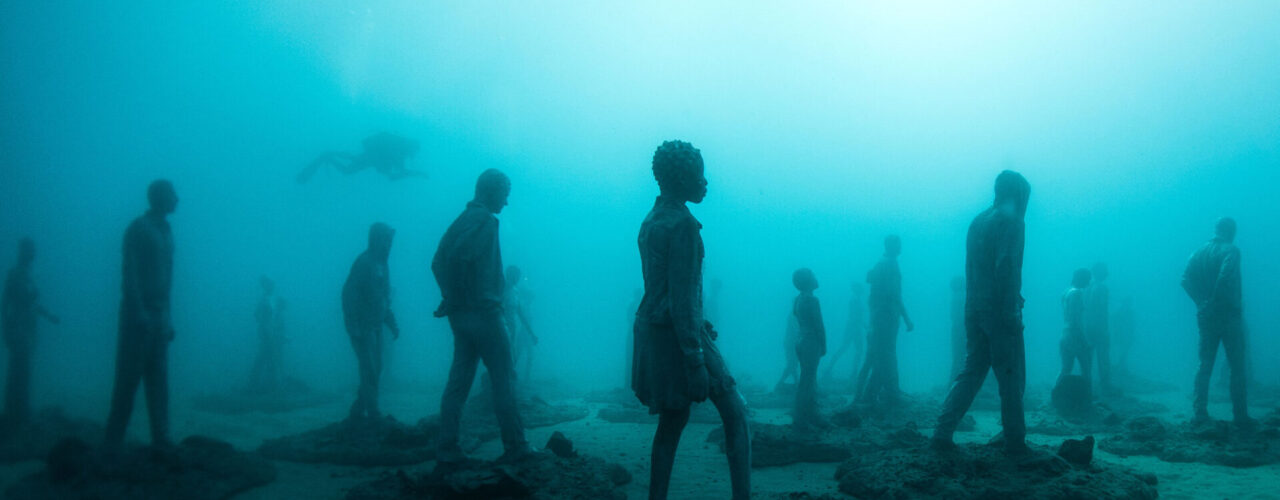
468 267
20 314
265 376
993 315
809 350
516 316
677 362
1212 280
146 326
366 308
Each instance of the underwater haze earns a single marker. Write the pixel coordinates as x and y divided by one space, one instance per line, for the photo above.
824 128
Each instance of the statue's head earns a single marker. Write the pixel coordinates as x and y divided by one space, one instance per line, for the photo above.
677 166
1012 187
1081 278
804 280
892 245
162 197
268 286
514 275
492 189
380 236
1225 230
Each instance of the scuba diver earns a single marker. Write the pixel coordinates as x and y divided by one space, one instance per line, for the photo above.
366 307
20 316
993 316
1212 280
677 362
809 350
383 152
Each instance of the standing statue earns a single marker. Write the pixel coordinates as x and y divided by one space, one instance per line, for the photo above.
468 268
265 377
993 315
366 308
887 311
20 314
1075 345
677 362
1097 324
809 350
146 325
1212 280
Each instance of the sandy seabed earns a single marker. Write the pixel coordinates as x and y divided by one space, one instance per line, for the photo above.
701 470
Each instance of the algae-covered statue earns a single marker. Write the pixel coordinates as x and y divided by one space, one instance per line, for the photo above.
993 315
810 349
1075 346
887 313
676 361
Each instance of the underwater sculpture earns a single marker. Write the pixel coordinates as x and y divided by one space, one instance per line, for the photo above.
1212 280
809 350
146 326
1097 327
366 307
265 376
878 381
1074 346
677 362
468 268
791 365
854 333
383 152
993 315
20 315
516 317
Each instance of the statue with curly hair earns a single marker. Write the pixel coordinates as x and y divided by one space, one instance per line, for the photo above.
675 360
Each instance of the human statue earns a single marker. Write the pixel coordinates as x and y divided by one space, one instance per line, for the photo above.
366 309
809 350
20 313
1212 280
265 377
677 362
1097 323
384 152
993 316
146 325
887 313
1075 345
468 268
